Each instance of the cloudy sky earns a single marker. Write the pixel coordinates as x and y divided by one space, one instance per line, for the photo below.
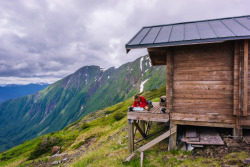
46 40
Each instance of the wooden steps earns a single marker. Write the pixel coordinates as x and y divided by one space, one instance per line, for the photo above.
203 136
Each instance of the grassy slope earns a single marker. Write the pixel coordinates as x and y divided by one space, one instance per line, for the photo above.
110 145
70 135
71 98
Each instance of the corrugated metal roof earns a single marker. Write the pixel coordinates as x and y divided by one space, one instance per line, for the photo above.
204 31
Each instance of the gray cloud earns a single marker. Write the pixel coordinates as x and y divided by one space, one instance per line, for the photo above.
45 40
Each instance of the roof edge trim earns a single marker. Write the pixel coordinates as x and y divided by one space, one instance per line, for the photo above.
192 42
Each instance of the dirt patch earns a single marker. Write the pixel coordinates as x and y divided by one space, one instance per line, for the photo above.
219 151
226 155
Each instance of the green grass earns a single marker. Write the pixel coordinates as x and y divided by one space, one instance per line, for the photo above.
110 146
69 99
78 145
66 138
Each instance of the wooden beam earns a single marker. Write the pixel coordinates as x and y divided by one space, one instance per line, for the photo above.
167 76
245 94
139 129
130 157
151 143
216 118
142 156
142 125
173 137
131 135
158 139
156 49
135 129
237 87
147 127
198 123
244 121
245 127
236 78
241 72
169 86
148 116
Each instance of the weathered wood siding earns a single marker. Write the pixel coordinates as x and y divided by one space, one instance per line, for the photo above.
245 121
203 83
248 104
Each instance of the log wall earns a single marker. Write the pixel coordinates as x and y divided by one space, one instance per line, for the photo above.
248 103
203 83
245 120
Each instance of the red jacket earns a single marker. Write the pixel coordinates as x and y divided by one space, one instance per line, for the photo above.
143 102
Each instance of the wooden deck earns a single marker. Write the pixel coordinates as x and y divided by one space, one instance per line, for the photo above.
212 120
153 115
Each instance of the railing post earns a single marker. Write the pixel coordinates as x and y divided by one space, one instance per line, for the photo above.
131 135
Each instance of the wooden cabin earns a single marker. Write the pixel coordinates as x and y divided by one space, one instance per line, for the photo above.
207 71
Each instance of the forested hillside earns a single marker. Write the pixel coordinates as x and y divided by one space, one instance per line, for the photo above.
89 89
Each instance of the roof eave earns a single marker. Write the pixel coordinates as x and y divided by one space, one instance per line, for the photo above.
189 42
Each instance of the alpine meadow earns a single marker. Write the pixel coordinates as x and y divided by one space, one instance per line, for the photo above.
87 90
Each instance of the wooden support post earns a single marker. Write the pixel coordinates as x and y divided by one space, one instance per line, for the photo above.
147 127
131 135
169 86
241 60
235 131
173 137
236 128
172 131
245 94
139 129
135 128
237 86
142 156
142 125
236 78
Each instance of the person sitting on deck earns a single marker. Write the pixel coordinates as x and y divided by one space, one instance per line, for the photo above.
140 101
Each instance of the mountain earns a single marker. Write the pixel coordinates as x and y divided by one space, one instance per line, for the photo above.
89 89
101 139
14 91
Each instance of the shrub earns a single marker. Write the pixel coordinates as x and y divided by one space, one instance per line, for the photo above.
44 146
69 126
4 157
108 112
92 114
85 125
118 116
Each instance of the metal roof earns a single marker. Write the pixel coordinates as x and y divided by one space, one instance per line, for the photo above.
187 33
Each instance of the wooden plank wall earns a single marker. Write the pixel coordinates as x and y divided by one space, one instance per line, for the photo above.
203 82
245 120
157 56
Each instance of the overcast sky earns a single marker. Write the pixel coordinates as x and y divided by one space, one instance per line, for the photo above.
46 40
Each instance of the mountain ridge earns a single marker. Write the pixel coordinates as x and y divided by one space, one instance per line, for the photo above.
87 90
13 91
